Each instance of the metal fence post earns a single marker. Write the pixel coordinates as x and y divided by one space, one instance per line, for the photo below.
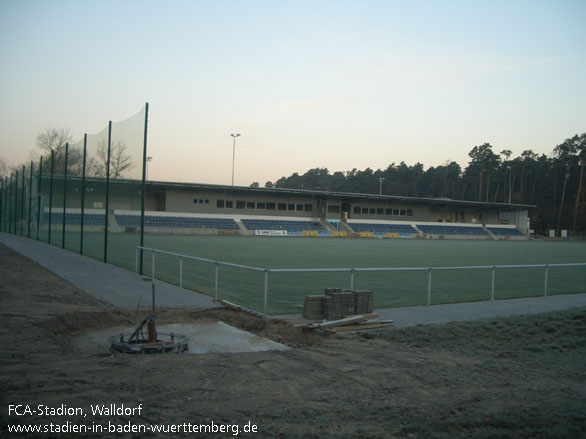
108 191
15 200
216 282
30 199
492 284
136 260
352 278
82 219
4 203
16 203
65 194
153 265
22 202
266 292
39 198
546 280
51 194
2 200
143 182
181 271
429 286
9 205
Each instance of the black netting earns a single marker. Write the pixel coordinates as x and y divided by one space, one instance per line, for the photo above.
73 195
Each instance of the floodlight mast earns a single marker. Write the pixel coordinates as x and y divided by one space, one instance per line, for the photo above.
233 153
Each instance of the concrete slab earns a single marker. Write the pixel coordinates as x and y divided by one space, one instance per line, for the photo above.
460 312
204 338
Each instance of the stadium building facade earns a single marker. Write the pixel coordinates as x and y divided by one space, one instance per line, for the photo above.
192 208
328 207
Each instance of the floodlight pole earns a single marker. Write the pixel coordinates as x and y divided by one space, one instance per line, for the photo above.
380 187
510 182
148 161
566 177
578 195
233 153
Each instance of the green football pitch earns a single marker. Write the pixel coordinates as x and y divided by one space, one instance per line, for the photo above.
286 291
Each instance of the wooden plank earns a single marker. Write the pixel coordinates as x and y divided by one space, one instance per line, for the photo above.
359 327
230 305
371 316
374 322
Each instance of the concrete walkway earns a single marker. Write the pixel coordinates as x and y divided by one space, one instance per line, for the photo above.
461 312
125 289
115 285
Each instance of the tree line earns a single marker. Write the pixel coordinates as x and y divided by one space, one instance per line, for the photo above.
554 183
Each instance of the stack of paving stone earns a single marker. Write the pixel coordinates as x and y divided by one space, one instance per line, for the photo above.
338 303
364 301
313 307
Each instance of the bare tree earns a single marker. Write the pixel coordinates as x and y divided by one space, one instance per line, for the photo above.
120 161
54 139
4 168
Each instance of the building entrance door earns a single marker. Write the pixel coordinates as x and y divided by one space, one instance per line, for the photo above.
345 210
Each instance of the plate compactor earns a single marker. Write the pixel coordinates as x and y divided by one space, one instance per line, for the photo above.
151 342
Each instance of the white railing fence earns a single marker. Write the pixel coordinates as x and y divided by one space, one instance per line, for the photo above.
233 279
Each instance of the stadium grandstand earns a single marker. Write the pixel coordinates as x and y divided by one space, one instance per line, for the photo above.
192 208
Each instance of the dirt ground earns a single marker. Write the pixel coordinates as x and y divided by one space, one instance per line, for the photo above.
504 378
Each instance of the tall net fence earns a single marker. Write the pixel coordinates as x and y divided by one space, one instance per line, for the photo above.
73 196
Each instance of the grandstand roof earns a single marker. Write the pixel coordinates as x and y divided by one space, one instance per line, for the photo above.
344 196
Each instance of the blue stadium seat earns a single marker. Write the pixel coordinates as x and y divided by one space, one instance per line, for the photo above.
380 229
452 230
292 227
125 220
73 218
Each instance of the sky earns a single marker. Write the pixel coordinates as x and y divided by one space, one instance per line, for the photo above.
334 84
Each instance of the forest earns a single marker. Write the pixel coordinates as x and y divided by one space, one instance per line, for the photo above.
554 184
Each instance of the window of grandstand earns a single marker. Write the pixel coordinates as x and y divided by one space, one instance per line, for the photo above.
291 207
200 201
357 210
309 207
388 211
220 204
240 204
270 206
409 212
261 206
229 204
282 206
250 204
300 207
403 212
365 211
379 211
333 209
372 211
396 212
